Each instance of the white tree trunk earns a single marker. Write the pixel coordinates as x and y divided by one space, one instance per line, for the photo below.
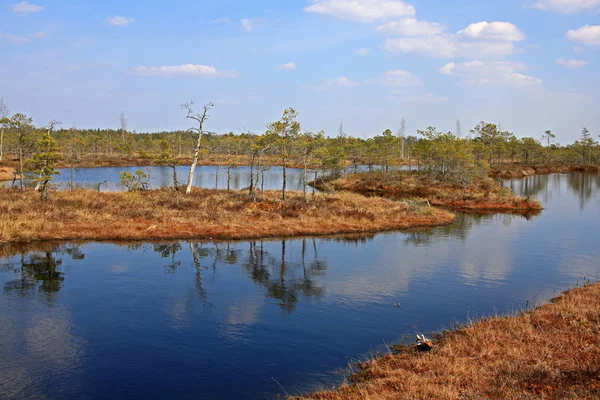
194 164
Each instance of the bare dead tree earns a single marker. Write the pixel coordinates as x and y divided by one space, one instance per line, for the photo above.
401 138
3 121
52 124
123 123
458 129
200 119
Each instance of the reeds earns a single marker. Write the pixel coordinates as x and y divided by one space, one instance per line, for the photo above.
6 173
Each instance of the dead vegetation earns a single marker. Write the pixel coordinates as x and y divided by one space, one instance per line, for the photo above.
6 173
552 352
481 195
154 214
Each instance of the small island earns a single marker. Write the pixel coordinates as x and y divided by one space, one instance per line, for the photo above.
479 194
202 214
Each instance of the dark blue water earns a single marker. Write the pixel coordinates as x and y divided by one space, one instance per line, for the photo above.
185 320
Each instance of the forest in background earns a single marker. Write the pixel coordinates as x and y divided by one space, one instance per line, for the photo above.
450 156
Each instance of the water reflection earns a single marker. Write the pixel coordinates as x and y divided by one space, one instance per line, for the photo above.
582 186
39 270
191 319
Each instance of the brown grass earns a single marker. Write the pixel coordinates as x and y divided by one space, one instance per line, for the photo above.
552 352
485 194
511 171
6 173
86 214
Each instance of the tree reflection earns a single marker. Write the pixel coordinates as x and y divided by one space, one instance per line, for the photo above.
584 185
285 281
41 269
169 251
464 223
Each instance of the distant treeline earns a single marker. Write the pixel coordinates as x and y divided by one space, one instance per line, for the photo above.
446 154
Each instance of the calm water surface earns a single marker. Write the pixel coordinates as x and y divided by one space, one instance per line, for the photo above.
209 177
206 320
205 176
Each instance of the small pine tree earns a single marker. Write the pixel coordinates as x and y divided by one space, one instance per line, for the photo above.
44 163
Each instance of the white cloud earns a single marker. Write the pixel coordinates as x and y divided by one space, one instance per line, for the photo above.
449 46
27 7
566 6
366 11
421 98
20 39
363 51
588 35
39 35
341 82
288 66
247 24
119 21
478 40
411 27
399 78
577 49
223 20
203 71
477 73
504 31
571 63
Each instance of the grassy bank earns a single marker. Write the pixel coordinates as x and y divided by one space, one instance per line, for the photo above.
512 171
552 352
483 195
86 214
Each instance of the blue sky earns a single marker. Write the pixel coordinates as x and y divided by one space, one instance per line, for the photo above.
527 65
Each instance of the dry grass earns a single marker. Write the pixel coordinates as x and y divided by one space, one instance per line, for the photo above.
6 173
510 171
552 352
86 214
485 194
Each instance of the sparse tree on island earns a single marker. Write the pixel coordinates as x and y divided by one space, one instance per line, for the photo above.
44 163
23 127
548 136
200 119
286 130
169 159
587 143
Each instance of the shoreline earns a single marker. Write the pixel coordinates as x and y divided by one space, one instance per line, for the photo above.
517 171
204 215
551 351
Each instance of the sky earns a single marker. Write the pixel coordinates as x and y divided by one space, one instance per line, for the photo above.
528 65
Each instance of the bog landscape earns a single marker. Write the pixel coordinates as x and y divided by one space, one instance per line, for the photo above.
348 261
